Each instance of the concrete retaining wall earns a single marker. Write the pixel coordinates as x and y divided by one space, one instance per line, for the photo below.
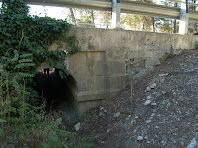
109 58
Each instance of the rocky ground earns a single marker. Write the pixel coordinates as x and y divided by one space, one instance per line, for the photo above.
161 112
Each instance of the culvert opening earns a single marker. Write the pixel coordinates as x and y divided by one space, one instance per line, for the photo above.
56 93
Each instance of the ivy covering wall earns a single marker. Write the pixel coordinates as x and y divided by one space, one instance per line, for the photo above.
24 43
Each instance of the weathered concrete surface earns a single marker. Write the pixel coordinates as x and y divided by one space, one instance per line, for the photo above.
110 58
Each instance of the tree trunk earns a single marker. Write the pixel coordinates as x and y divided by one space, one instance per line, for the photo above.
195 28
175 23
194 6
143 25
195 25
153 23
92 15
72 15
174 26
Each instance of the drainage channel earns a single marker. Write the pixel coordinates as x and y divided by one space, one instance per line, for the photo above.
56 93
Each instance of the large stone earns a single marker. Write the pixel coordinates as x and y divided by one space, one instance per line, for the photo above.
77 126
117 114
140 138
193 144
147 102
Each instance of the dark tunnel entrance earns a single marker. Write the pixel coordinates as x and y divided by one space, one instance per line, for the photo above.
56 93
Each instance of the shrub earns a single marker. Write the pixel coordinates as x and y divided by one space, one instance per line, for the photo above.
24 43
196 45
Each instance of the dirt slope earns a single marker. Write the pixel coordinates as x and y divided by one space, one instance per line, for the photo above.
161 113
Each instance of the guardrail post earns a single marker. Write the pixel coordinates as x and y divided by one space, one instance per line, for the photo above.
116 13
184 15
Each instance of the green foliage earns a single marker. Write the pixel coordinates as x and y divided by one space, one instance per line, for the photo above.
135 21
83 16
25 36
196 45
24 43
30 123
172 52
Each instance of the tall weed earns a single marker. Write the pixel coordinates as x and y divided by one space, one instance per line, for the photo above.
24 124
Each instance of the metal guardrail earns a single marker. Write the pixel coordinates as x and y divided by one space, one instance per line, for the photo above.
150 9
132 7
84 4
127 6
193 15
91 24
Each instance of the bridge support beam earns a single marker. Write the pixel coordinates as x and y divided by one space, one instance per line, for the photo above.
184 16
116 13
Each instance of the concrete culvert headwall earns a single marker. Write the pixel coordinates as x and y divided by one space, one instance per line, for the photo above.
56 93
110 58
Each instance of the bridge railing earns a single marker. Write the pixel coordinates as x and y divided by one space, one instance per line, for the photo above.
133 7
91 25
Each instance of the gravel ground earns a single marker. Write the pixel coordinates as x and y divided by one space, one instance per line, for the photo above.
162 112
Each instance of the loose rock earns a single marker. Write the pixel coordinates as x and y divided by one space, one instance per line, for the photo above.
148 89
153 85
146 137
192 144
139 138
77 126
101 108
117 114
147 102
148 97
101 114
148 121
153 104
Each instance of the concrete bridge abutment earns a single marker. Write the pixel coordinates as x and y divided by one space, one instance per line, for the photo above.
109 59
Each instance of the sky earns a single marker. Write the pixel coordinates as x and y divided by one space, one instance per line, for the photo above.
53 12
